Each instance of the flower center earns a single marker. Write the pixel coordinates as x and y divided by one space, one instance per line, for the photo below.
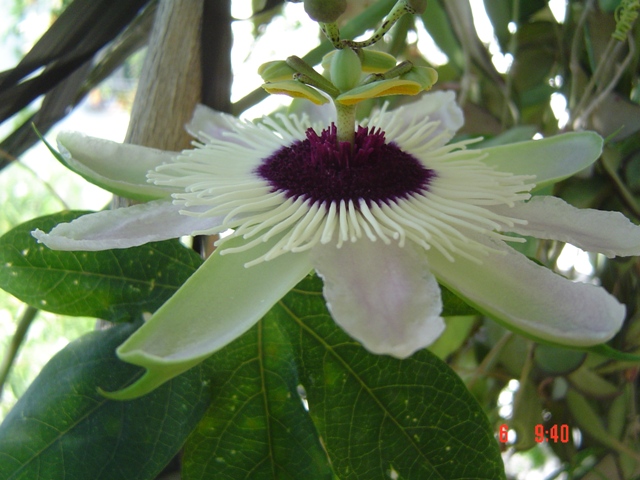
324 170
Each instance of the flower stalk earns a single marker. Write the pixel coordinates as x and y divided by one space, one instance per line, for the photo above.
345 122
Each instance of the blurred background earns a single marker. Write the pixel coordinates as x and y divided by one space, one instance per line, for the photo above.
522 69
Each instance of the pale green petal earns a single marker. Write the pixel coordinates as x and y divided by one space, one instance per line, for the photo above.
124 227
216 305
531 299
382 295
120 168
550 159
609 233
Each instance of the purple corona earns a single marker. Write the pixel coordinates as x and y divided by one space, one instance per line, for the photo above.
321 169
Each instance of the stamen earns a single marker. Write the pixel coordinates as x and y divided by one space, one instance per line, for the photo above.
281 177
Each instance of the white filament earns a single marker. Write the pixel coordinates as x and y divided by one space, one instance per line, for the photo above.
221 174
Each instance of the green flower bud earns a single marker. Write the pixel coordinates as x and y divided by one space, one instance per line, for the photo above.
425 76
276 71
416 6
326 61
346 69
374 61
325 11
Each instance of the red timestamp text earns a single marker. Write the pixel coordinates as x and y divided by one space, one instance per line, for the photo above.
556 433
542 434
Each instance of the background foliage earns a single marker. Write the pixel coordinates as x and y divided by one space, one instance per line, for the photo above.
294 397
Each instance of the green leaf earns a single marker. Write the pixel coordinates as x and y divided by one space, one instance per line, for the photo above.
380 417
372 416
453 305
257 426
114 285
63 428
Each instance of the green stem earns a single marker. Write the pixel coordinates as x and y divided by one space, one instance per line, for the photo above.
626 196
490 359
16 341
346 122
398 10
332 32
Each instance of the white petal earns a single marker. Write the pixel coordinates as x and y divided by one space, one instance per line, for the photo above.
120 168
530 298
550 159
124 227
216 305
213 124
382 295
609 233
439 106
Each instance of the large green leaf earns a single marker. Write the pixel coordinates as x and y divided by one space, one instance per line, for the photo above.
114 285
256 426
376 416
380 417
62 428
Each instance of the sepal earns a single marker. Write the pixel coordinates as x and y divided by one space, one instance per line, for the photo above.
216 305
276 71
374 61
380 88
425 76
295 89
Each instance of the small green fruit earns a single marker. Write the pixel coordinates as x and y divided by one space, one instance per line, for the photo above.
325 11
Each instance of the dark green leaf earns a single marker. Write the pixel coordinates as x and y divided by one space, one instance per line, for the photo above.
452 305
374 415
378 416
114 285
256 427
62 428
